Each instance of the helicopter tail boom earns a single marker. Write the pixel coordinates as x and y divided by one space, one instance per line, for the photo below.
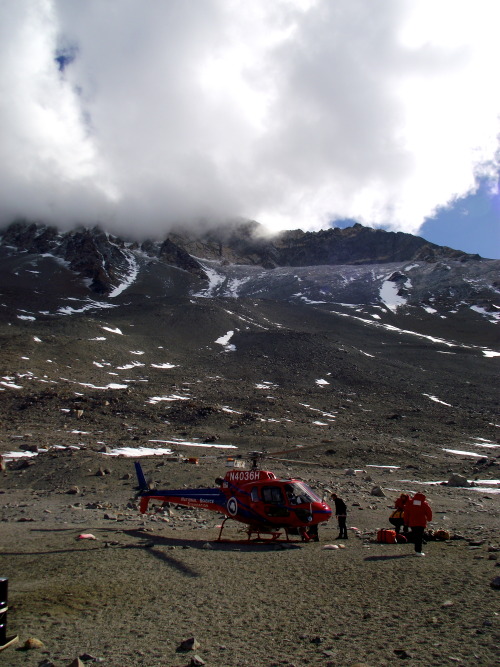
211 499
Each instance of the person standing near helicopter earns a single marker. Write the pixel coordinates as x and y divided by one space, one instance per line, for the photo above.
417 513
341 514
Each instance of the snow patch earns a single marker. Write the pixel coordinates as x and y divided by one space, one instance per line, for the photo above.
116 331
436 400
390 297
10 385
461 453
214 281
129 276
493 317
266 385
172 397
88 305
224 341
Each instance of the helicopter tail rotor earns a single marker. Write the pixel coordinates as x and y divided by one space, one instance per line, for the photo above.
143 485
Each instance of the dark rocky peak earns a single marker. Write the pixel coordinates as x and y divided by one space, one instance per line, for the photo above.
236 242
357 245
434 253
148 247
397 277
95 256
248 243
177 256
100 258
31 237
105 261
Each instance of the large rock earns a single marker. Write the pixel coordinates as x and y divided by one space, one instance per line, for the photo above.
458 480
191 644
32 643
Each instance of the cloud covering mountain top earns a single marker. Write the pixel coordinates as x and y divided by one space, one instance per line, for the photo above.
292 113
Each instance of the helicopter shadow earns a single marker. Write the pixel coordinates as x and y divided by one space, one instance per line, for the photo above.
155 541
213 545
51 551
52 530
389 557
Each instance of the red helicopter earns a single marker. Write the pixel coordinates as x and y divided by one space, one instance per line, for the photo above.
254 497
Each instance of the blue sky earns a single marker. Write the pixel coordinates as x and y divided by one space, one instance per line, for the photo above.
471 223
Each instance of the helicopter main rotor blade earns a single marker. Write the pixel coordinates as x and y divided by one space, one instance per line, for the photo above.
305 463
296 449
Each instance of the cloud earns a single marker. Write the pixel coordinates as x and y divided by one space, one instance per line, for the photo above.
142 116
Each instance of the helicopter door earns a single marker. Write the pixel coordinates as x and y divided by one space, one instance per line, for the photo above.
274 502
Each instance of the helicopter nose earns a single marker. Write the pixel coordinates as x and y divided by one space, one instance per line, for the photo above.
325 510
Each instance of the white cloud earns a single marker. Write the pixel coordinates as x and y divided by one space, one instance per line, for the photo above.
292 113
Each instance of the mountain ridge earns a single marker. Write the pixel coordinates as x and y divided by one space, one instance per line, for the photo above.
240 262
97 255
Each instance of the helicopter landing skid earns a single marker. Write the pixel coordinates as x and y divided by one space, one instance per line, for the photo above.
272 535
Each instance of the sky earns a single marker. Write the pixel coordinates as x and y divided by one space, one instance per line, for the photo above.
295 113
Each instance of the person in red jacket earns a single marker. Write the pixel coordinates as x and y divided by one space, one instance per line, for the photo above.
396 517
417 513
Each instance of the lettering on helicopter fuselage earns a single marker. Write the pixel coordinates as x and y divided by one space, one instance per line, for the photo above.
194 501
245 475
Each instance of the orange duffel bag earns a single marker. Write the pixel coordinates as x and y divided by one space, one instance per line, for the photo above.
387 536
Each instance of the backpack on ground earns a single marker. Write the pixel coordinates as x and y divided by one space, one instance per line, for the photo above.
386 536
441 535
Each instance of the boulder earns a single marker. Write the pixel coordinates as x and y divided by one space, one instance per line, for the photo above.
458 480
191 644
32 643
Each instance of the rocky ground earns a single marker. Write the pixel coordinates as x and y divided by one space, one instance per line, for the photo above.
144 585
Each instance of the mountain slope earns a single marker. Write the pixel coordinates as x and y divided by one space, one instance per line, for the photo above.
431 290
393 362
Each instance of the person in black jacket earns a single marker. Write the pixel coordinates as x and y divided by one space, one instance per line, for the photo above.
341 514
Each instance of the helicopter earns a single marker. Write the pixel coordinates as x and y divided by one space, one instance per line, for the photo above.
255 497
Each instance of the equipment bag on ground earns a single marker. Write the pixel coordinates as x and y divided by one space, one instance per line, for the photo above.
386 536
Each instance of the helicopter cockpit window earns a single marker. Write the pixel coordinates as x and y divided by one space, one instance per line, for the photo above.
272 494
298 493
254 494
